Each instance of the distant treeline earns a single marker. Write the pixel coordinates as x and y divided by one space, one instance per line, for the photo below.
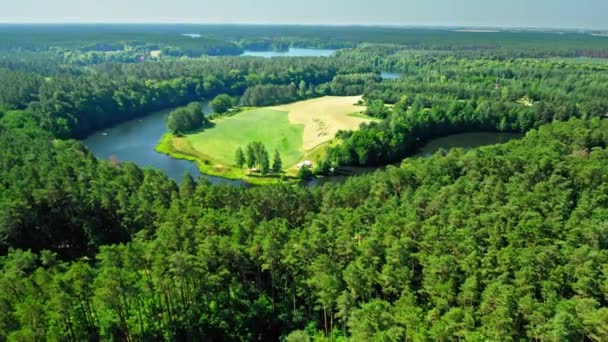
221 40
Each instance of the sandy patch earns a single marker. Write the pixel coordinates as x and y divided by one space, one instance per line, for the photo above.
324 117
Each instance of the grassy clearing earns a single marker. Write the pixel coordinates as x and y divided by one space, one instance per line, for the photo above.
269 126
180 148
299 131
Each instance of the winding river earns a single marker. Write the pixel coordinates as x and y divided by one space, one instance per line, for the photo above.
134 141
466 141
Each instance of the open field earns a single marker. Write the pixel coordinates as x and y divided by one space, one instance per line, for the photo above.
296 130
324 117
267 125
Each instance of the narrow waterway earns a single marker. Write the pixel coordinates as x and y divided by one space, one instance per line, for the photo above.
134 141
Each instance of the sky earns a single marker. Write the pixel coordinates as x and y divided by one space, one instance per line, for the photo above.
576 14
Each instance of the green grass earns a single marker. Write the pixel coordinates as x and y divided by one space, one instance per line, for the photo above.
269 126
214 147
180 148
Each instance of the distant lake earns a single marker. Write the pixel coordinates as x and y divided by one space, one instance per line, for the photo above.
191 35
134 141
466 141
292 52
390 75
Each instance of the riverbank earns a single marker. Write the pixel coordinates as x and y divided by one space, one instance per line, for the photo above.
298 131
179 148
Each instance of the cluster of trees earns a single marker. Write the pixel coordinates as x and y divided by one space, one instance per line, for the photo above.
268 94
186 119
352 84
442 95
76 101
377 109
222 103
347 84
18 88
500 243
256 156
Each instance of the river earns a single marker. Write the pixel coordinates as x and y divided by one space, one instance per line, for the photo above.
134 141
466 141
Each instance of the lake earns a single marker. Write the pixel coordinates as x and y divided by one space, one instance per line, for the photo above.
466 141
191 35
134 141
390 75
292 52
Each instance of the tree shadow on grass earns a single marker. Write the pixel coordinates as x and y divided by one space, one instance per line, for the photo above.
206 126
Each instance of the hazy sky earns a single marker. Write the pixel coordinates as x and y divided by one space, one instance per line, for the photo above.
517 13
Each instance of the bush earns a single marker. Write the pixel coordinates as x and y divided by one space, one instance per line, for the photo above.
222 103
305 173
186 119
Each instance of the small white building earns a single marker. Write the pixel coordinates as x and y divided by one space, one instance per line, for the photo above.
306 163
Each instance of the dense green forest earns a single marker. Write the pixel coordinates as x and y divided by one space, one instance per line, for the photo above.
436 96
499 243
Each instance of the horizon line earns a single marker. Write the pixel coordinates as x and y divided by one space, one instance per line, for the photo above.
371 25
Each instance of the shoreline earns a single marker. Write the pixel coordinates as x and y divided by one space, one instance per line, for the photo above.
206 166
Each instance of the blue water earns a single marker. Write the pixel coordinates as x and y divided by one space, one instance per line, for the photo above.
134 141
191 35
292 52
466 141
390 75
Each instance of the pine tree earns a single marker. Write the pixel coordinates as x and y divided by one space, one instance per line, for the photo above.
264 161
277 163
239 158
188 185
251 156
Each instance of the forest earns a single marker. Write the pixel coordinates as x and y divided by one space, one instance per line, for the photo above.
438 96
500 243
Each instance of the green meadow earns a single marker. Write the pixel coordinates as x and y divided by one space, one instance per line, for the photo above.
269 126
